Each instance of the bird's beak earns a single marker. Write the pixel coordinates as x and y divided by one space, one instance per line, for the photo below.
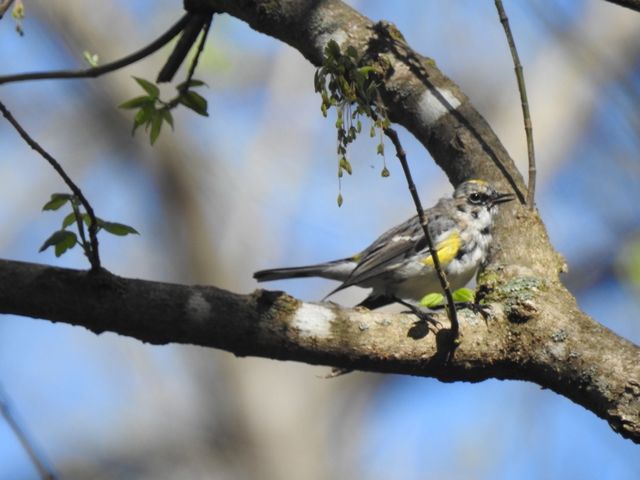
503 197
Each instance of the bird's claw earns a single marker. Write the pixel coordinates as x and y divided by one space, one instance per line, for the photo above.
423 315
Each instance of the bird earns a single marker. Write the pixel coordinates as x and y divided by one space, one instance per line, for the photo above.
398 267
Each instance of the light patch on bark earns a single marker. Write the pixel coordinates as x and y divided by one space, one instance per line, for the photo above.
435 104
313 320
198 308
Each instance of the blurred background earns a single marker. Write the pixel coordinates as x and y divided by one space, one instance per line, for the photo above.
254 186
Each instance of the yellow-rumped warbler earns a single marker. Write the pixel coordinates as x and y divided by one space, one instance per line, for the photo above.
398 266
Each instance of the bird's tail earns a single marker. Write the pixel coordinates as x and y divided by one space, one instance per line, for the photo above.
336 270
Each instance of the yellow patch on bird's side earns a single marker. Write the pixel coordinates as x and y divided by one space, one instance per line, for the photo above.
478 181
356 257
447 250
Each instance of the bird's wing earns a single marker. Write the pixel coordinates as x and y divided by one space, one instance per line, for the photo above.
395 245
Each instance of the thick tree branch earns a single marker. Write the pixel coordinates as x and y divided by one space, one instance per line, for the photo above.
529 340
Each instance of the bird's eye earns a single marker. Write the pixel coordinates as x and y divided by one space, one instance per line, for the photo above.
476 198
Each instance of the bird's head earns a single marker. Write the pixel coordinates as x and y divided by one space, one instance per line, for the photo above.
474 195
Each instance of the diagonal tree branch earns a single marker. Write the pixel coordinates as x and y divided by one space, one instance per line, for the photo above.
571 355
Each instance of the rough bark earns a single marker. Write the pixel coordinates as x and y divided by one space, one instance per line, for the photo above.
537 332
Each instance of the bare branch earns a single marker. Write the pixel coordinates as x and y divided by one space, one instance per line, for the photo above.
93 254
528 128
107 67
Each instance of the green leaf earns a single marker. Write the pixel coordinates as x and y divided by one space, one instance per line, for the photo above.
380 149
317 81
149 87
352 52
339 200
332 50
91 59
432 300
167 117
18 11
345 165
366 70
69 220
62 240
57 200
143 116
195 102
67 244
119 229
192 84
156 126
84 218
137 102
464 295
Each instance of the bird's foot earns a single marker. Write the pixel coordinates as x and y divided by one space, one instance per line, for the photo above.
424 315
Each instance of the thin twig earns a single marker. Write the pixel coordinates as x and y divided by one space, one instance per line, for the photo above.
4 6
194 63
80 226
528 129
94 258
106 68
444 283
190 32
45 472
